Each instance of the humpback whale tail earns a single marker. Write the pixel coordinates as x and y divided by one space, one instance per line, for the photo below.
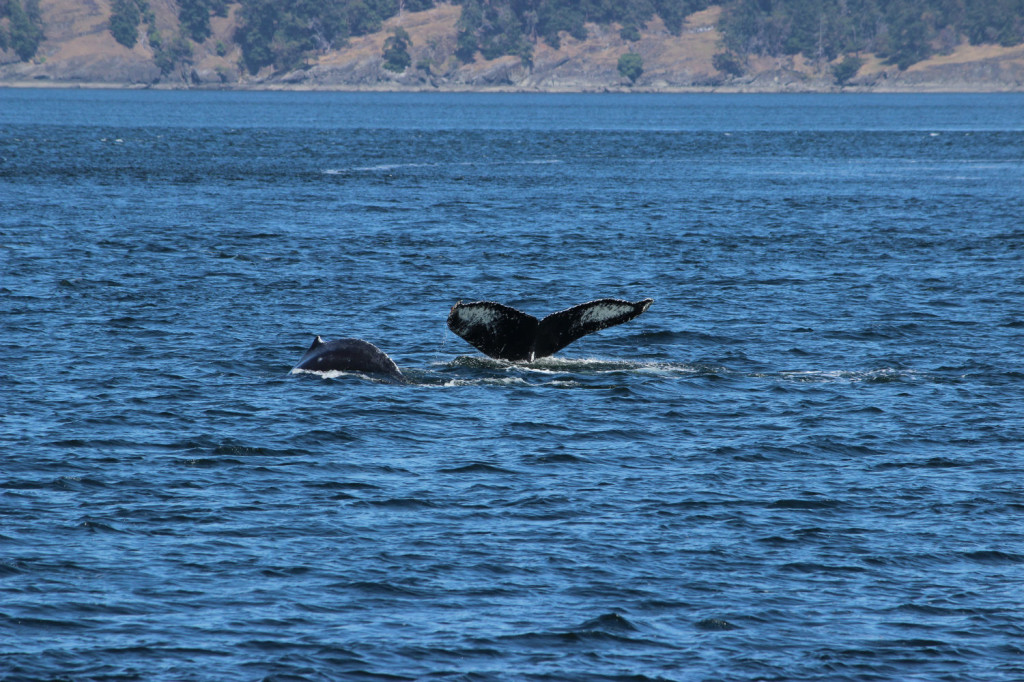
503 332
349 355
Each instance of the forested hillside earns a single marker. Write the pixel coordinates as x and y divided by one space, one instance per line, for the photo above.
902 31
284 35
282 32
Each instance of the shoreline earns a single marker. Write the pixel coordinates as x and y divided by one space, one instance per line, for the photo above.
738 89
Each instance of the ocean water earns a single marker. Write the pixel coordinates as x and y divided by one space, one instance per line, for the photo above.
804 461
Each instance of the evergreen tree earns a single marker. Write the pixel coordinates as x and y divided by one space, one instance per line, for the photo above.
908 34
847 69
553 17
728 63
171 54
194 16
124 22
471 19
256 33
994 21
283 33
396 51
630 33
26 28
631 65
674 12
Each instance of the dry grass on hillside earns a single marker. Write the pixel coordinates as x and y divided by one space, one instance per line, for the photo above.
79 46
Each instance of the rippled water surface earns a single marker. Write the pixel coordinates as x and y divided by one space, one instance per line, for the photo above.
803 462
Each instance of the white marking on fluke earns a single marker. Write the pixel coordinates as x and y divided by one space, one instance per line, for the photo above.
605 311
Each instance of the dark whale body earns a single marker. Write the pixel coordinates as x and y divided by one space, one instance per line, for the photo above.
349 355
505 333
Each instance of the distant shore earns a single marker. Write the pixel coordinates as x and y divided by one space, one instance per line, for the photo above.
83 54
981 88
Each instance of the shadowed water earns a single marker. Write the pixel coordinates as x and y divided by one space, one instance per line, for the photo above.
804 461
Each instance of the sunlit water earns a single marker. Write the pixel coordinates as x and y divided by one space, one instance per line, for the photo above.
803 462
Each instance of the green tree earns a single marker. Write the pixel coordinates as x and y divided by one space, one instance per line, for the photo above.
26 29
495 29
365 16
728 63
908 34
630 32
553 17
396 50
749 28
194 16
847 69
674 12
502 33
471 20
328 20
171 54
255 34
994 21
285 32
465 47
631 65
124 22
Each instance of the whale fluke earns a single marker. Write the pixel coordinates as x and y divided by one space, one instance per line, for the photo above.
505 333
348 355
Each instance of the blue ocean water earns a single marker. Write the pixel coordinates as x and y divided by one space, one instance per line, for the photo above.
805 461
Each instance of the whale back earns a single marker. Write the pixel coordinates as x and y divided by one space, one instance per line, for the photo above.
348 355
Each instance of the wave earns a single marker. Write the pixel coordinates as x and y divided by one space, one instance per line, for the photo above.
388 167
504 381
562 365
475 370
876 376
341 374
564 373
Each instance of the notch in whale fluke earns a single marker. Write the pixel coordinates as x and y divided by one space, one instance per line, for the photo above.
349 355
505 333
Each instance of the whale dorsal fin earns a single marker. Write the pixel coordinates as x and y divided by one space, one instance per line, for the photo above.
317 342
558 330
497 330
